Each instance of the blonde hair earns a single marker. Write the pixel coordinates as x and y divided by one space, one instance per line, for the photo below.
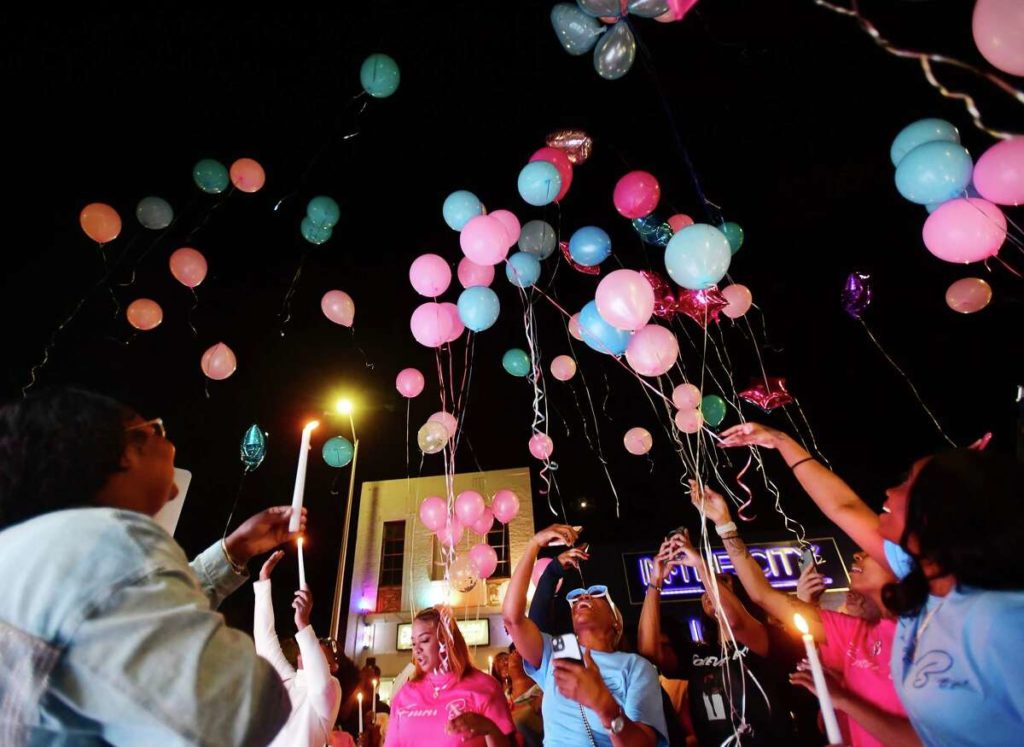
449 637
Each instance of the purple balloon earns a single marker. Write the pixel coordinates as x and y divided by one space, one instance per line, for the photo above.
857 294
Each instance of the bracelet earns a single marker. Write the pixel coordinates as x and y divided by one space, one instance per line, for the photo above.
797 463
726 528
655 587
238 569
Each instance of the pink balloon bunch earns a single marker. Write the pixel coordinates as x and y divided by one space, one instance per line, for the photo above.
687 398
434 324
409 382
636 194
505 505
339 307
430 275
562 164
219 362
652 350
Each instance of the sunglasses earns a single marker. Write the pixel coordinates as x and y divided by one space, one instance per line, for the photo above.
598 591
156 427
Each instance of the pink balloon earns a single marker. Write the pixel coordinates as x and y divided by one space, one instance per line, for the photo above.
144 314
563 368
968 295
541 446
484 240
652 350
470 273
433 513
739 299
219 362
511 224
448 421
636 194
450 533
455 325
965 230
538 569
679 221
689 421
430 275
686 397
485 558
339 307
562 164
998 28
574 327
638 441
625 299
247 175
469 507
505 505
999 173
431 324
483 525
409 382
188 266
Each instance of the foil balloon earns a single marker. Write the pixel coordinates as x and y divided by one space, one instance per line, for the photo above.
857 294
576 144
615 52
664 298
564 246
702 306
653 230
253 448
768 393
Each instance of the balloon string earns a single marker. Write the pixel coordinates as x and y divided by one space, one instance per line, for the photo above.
234 505
745 489
191 312
286 307
208 216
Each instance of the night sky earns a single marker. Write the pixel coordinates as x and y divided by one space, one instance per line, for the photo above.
785 109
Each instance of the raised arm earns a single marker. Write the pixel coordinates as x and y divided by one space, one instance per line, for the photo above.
324 691
524 632
264 632
648 634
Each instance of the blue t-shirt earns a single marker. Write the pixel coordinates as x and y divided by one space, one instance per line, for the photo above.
633 682
900 561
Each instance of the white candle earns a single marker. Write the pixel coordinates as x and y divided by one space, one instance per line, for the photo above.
300 476
359 697
490 664
302 566
828 713
374 704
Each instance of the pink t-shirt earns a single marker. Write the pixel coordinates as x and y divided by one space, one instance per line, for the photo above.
421 710
861 651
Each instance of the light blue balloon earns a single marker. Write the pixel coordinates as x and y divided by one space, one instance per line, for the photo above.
934 172
478 307
733 234
698 256
522 269
337 451
920 132
459 207
539 183
324 211
313 233
576 31
379 75
590 246
599 334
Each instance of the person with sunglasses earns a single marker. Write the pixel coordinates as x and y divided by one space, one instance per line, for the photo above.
107 634
611 697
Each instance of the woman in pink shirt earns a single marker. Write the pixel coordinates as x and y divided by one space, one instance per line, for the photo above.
447 701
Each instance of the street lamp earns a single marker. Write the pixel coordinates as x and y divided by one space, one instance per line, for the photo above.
344 406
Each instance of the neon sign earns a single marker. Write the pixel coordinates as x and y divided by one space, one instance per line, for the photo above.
780 562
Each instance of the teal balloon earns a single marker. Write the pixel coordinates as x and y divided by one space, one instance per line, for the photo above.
653 230
379 75
337 452
920 132
313 233
599 334
459 207
698 256
539 183
522 269
712 407
211 176
323 211
516 362
154 213
934 172
733 234
253 448
478 307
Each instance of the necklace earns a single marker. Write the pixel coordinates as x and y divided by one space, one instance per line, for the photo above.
927 621
439 688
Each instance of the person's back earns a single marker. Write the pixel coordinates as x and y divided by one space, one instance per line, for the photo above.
106 637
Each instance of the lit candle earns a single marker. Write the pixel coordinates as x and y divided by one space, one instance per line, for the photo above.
300 476
828 713
490 664
302 566
374 704
359 697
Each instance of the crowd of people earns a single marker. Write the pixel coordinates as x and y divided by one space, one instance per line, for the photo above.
108 635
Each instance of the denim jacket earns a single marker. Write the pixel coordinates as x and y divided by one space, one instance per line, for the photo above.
108 636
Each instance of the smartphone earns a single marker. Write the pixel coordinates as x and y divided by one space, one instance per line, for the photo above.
674 532
806 559
566 647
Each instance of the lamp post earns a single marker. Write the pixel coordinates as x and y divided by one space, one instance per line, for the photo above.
344 407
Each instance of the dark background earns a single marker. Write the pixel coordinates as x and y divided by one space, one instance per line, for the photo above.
786 109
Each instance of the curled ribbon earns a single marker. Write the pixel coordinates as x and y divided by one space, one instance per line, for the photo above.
745 489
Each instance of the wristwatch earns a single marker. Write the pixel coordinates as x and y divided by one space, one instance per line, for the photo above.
618 723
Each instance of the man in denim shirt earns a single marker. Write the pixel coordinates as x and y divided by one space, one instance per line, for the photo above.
107 634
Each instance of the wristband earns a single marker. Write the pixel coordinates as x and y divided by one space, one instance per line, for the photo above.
723 529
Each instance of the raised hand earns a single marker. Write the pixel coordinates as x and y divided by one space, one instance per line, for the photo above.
751 434
573 556
262 532
303 606
811 585
712 503
270 564
557 534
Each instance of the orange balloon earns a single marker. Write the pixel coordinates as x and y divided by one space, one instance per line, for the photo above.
219 362
144 314
100 222
247 175
188 266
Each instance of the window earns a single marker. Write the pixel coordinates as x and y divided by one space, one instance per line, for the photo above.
498 539
392 556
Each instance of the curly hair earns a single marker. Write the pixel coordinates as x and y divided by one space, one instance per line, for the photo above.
57 450
962 512
449 636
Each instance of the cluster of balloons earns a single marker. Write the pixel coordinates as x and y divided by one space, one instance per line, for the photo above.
188 266
693 410
337 452
548 175
470 510
933 169
339 307
322 215
213 177
379 75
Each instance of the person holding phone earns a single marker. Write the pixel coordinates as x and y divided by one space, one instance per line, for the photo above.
593 694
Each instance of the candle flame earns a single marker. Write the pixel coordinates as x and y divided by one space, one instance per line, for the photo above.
801 624
374 683
312 425
300 541
359 697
